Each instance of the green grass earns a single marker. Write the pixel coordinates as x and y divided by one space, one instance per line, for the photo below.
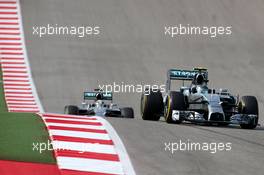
18 132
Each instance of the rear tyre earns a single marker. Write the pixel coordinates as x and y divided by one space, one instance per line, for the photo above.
175 101
249 105
72 110
127 112
151 106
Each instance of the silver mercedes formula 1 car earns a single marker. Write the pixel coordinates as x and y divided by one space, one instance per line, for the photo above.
99 103
199 104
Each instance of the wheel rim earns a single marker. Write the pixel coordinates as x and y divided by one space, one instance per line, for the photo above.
167 108
143 104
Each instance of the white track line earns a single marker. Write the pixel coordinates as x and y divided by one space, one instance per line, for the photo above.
120 148
27 61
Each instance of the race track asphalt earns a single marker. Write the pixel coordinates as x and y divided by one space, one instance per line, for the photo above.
133 49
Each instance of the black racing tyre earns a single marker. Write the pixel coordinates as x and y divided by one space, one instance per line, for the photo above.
175 101
151 106
248 105
72 110
127 112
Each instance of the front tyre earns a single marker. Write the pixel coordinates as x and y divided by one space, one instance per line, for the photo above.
249 105
175 101
151 106
72 110
127 112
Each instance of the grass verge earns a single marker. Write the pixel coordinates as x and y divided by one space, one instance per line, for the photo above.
18 132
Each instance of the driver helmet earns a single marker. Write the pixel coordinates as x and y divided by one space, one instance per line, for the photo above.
99 96
199 79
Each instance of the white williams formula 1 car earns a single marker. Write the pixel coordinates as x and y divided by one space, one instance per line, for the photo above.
101 105
198 104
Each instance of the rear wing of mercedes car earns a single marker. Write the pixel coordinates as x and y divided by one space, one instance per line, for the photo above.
184 75
92 95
